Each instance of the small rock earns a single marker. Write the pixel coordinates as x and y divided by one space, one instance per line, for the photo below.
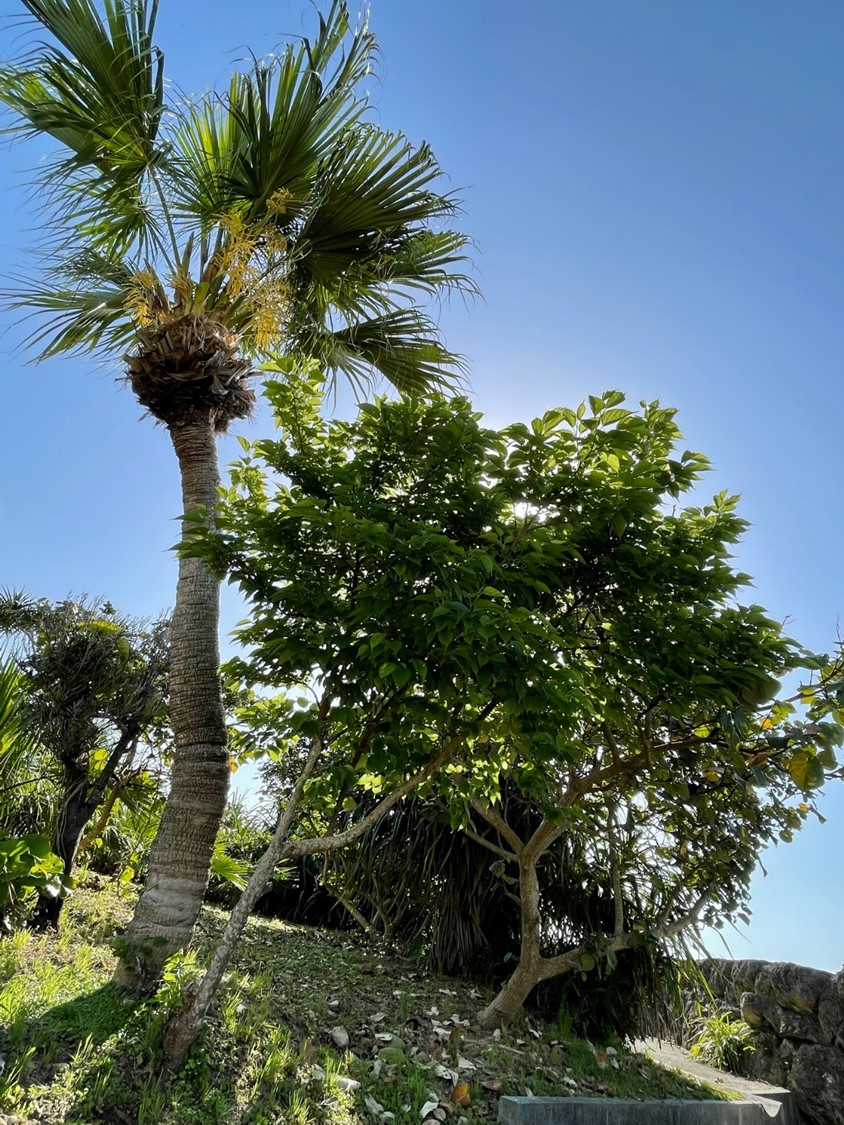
348 1085
340 1037
391 1056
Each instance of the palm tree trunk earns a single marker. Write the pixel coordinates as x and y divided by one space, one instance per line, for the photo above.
181 855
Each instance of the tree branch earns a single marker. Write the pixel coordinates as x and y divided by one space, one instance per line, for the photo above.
511 857
125 744
499 824
99 825
615 875
319 844
581 785
552 966
541 840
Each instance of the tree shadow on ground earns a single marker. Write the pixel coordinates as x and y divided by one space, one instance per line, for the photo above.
64 1047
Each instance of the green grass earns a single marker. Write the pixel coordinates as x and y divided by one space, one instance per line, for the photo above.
77 1050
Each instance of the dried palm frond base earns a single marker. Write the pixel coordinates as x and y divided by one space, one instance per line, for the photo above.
191 366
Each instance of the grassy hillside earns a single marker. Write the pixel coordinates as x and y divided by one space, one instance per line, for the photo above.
312 1027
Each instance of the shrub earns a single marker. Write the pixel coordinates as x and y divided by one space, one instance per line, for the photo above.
27 868
725 1042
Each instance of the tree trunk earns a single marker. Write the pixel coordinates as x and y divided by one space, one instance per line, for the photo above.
186 1024
512 996
74 813
181 855
528 972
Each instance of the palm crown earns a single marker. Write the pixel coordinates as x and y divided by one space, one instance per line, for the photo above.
201 234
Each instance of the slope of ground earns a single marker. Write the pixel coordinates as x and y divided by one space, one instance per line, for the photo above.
312 1027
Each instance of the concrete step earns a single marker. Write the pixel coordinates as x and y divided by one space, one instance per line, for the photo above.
622 1111
760 1103
777 1102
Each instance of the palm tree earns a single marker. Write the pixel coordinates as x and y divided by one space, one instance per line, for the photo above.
194 238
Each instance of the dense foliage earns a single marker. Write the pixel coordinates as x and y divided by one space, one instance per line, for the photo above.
529 607
92 702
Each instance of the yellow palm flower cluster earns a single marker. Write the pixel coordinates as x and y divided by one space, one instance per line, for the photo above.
251 265
254 260
145 299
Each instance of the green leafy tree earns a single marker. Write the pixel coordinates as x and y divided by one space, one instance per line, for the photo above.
469 607
94 694
198 236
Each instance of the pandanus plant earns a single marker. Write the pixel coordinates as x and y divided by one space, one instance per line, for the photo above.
193 239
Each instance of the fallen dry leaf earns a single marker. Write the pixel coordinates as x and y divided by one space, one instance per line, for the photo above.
460 1095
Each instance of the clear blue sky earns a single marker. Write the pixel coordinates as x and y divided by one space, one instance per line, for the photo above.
655 190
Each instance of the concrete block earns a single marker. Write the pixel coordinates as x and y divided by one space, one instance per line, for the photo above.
623 1111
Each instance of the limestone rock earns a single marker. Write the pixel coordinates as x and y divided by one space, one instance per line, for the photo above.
817 1080
830 1014
756 1011
797 1015
795 988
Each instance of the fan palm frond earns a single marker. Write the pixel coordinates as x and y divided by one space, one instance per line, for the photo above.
274 126
272 210
98 91
76 319
373 187
402 345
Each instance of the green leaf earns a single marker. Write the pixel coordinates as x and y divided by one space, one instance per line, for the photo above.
401 676
37 846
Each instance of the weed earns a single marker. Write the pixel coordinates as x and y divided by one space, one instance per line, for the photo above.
11 949
723 1042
